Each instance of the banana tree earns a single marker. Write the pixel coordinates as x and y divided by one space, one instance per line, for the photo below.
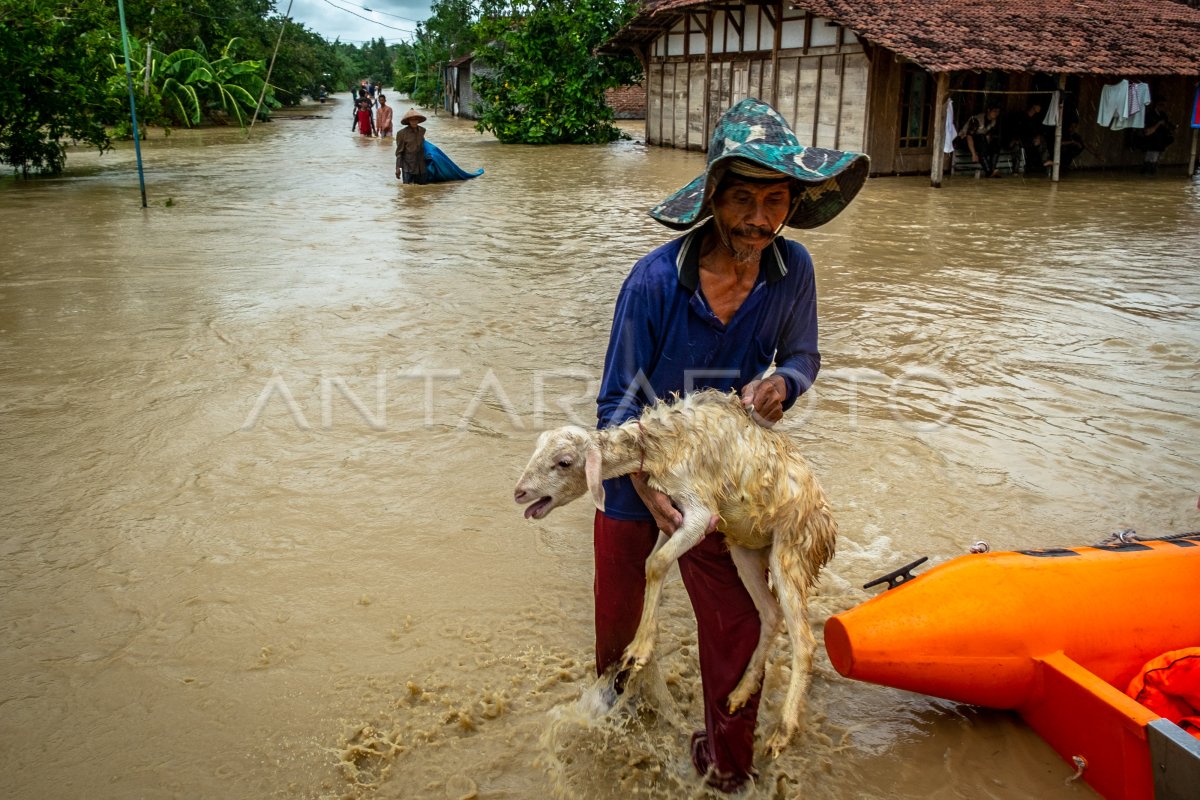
160 99
186 84
223 84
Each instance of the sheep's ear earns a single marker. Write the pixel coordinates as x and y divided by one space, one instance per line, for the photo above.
591 470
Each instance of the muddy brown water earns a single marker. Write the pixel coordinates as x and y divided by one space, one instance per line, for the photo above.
260 439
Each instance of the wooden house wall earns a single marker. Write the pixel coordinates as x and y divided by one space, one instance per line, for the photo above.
814 72
883 107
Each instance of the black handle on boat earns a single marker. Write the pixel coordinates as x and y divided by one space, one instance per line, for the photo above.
897 576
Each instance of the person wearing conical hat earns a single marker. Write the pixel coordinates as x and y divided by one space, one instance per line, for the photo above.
410 148
717 307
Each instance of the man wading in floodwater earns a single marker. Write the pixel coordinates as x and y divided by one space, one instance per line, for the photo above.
410 148
715 308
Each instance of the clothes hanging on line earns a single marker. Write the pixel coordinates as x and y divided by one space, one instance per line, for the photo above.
1139 100
1123 105
1051 117
951 131
1114 102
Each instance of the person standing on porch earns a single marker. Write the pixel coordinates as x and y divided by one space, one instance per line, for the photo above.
1025 130
1157 135
980 134
716 308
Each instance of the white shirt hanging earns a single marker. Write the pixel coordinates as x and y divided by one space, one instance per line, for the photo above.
951 131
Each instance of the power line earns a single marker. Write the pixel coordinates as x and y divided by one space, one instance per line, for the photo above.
369 41
368 19
193 13
386 14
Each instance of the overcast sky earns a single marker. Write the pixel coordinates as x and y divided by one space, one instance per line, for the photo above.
351 21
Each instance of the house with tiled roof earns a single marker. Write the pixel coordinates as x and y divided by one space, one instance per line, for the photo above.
882 76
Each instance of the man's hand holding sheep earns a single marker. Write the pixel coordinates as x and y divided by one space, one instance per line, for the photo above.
765 398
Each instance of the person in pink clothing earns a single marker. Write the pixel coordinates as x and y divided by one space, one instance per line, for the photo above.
364 119
383 118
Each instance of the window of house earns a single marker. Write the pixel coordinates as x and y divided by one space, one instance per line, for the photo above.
916 106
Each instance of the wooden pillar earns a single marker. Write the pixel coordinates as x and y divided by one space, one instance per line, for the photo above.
1191 169
643 52
1058 130
837 128
775 45
708 47
938 158
816 106
687 83
662 97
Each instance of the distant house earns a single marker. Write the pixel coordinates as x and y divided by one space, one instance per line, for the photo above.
627 102
877 76
459 97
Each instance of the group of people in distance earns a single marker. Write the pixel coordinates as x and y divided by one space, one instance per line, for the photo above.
371 117
374 118
984 136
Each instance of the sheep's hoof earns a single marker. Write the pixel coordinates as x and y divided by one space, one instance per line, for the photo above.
741 694
778 741
631 663
636 656
611 686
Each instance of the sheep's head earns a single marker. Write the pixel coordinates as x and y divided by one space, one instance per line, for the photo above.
565 464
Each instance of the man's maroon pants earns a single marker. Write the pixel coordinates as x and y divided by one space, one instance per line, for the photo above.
726 619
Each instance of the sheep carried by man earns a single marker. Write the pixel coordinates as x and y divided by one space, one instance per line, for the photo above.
717 465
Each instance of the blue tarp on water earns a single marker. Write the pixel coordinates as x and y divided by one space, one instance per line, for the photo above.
440 168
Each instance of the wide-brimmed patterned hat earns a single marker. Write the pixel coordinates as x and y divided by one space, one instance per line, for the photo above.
412 113
753 131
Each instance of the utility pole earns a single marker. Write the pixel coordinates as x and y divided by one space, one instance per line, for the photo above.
267 82
149 53
137 139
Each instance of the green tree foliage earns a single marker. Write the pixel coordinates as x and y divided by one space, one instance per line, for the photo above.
304 62
541 81
57 60
374 61
450 32
404 66
171 25
351 66
377 62
54 56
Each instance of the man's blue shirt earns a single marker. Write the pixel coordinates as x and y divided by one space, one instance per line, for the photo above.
666 339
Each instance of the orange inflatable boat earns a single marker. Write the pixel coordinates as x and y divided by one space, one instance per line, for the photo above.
1056 635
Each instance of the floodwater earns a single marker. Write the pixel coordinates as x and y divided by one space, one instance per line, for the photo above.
260 440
